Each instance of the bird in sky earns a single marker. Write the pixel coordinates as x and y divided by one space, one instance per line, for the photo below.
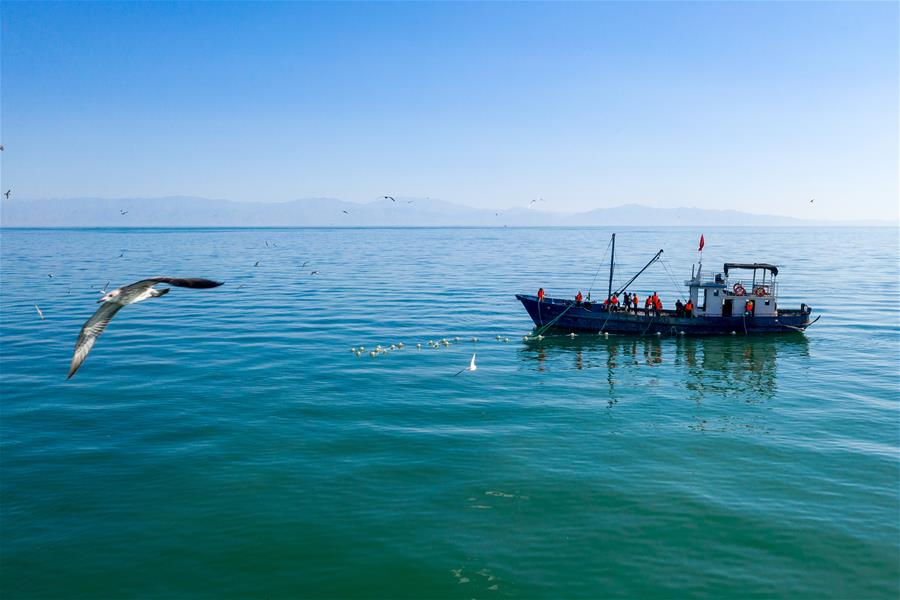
50 275
40 314
6 193
313 272
267 243
122 255
114 301
345 212
812 200
530 204
391 198
123 212
1 147
305 262
471 367
256 264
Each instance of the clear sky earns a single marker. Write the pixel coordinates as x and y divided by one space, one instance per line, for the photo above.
750 106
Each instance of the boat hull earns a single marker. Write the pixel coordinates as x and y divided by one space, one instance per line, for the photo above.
570 316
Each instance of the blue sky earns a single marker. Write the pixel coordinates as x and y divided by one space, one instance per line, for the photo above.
755 107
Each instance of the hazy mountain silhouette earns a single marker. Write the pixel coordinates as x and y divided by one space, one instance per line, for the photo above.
185 211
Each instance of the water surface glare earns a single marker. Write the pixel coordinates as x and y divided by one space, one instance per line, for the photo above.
227 443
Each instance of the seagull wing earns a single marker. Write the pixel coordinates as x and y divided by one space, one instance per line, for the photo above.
193 282
90 332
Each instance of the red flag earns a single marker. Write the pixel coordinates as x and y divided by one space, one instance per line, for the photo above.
700 249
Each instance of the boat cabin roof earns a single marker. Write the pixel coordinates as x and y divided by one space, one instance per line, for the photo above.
771 268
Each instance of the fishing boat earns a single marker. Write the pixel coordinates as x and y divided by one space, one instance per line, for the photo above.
720 306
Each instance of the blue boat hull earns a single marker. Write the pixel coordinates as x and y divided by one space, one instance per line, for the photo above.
571 316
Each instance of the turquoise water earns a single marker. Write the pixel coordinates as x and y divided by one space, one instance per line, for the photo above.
226 443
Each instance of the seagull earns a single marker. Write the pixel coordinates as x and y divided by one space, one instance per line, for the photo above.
50 275
267 244
257 264
813 200
471 366
345 212
6 193
122 255
123 212
1 147
391 198
313 272
38 308
114 301
305 262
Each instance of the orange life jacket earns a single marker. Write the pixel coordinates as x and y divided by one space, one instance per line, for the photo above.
658 304
689 306
614 300
578 297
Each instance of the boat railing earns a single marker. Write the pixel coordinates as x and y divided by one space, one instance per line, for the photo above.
770 288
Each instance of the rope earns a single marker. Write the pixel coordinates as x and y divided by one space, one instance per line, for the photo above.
671 278
541 330
599 266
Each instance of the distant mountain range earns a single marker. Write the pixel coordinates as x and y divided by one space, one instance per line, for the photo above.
183 211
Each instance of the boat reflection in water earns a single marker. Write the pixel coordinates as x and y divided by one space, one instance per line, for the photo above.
725 367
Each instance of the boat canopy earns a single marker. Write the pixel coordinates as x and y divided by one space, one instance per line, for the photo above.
771 268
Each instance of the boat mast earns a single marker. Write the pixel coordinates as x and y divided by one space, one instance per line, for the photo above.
612 261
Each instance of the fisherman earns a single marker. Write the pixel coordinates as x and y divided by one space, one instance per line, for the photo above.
748 308
689 309
540 294
647 304
626 301
679 308
635 300
614 303
579 297
657 304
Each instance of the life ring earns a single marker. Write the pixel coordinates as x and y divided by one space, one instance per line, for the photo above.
759 291
739 290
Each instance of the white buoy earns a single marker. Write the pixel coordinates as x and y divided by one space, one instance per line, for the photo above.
680 333
658 334
606 334
733 333
572 335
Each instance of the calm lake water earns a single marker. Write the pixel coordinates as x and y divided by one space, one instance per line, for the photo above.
227 443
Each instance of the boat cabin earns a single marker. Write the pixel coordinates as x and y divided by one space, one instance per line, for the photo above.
721 296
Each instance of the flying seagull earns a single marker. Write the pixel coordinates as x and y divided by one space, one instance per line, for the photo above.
305 262
530 204
345 212
313 272
113 301
391 198
38 308
813 200
267 243
257 264
1 147
471 366
6 193
123 212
